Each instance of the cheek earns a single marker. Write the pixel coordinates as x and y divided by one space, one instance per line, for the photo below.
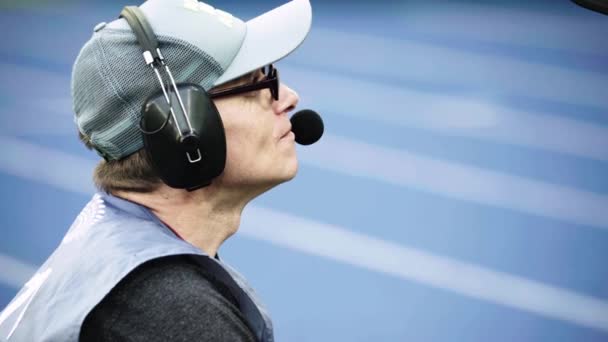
247 142
250 141
238 144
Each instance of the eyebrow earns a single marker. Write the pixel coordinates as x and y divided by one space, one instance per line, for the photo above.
251 77
254 75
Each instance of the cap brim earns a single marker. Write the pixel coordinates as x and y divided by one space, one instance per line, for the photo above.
270 37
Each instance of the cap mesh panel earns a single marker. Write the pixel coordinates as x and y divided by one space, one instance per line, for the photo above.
110 83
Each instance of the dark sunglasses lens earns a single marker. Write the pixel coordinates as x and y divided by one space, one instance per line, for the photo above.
275 85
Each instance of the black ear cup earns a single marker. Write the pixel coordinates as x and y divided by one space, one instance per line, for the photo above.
181 127
187 159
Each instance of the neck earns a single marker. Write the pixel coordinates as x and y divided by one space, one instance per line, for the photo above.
205 217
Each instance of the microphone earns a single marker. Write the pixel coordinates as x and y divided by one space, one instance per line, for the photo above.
307 126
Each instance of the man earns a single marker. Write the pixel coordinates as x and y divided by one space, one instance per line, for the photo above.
140 262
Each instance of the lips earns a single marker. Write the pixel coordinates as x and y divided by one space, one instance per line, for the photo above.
285 132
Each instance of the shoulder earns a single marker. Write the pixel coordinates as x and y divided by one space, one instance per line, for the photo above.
167 299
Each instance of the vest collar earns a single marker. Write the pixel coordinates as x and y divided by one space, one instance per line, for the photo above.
140 211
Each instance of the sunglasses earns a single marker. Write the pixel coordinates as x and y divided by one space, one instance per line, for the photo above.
270 81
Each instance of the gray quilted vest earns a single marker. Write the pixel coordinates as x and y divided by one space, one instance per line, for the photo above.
109 238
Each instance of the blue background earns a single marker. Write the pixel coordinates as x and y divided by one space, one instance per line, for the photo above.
460 192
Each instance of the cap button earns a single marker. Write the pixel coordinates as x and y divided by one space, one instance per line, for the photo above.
99 26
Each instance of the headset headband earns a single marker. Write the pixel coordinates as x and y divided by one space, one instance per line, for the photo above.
143 31
186 144
153 57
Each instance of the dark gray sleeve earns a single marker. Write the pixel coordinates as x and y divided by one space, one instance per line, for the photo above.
166 299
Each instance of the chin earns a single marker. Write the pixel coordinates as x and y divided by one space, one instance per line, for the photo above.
291 170
286 174
269 178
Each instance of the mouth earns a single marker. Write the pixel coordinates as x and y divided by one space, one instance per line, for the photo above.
286 133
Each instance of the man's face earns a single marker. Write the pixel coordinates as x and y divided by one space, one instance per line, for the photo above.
260 145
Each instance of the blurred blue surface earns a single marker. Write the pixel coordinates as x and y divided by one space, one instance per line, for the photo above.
466 147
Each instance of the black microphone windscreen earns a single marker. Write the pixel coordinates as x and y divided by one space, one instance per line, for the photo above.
307 126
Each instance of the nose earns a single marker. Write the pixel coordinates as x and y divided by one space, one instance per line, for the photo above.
288 100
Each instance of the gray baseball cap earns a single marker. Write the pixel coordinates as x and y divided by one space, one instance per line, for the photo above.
201 45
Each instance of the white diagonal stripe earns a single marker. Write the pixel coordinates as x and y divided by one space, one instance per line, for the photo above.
460 116
52 167
14 272
483 75
510 26
459 181
381 256
382 164
451 115
340 244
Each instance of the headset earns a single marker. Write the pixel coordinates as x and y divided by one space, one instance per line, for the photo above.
182 129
